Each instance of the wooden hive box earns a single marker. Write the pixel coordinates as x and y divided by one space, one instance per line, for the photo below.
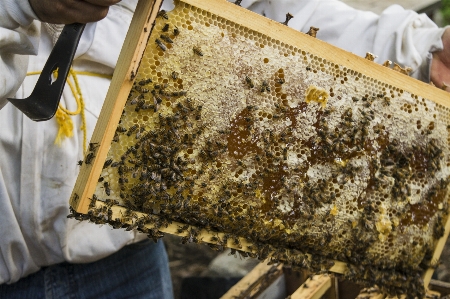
226 127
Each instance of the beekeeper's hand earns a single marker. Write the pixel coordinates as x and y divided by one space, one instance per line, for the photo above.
440 66
71 11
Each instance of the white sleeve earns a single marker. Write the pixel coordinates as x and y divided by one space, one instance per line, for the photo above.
399 35
102 41
19 37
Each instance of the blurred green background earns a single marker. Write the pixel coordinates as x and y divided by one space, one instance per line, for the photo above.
445 12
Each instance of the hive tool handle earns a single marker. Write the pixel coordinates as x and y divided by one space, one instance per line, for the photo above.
43 102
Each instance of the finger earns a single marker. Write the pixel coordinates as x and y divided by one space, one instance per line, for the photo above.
103 2
85 12
82 11
68 11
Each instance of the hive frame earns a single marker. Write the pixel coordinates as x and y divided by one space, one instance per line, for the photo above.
128 65
258 281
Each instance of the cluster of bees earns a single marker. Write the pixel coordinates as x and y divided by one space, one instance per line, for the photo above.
240 180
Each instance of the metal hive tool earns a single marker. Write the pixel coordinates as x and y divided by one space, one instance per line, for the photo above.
43 102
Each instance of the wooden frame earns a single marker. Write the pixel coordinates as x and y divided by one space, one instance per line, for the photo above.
128 65
314 286
251 285
121 83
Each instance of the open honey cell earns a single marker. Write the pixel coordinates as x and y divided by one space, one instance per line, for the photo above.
238 138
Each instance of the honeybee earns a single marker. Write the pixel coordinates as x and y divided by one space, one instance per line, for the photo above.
166 38
185 240
288 18
182 229
110 202
132 129
176 31
93 146
197 51
135 100
265 86
155 234
368 104
145 81
162 14
134 170
249 82
93 201
165 28
139 104
160 44
144 173
107 189
89 158
121 129
238 2
107 163
122 180
237 242
174 75
157 100
115 164
139 133
179 93
280 81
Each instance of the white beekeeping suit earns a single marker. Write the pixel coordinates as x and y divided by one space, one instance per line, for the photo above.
37 175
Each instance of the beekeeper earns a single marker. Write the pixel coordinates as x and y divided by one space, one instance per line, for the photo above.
42 253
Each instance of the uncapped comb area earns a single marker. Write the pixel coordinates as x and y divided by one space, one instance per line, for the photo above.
230 130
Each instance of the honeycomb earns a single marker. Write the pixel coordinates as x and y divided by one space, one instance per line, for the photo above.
230 130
